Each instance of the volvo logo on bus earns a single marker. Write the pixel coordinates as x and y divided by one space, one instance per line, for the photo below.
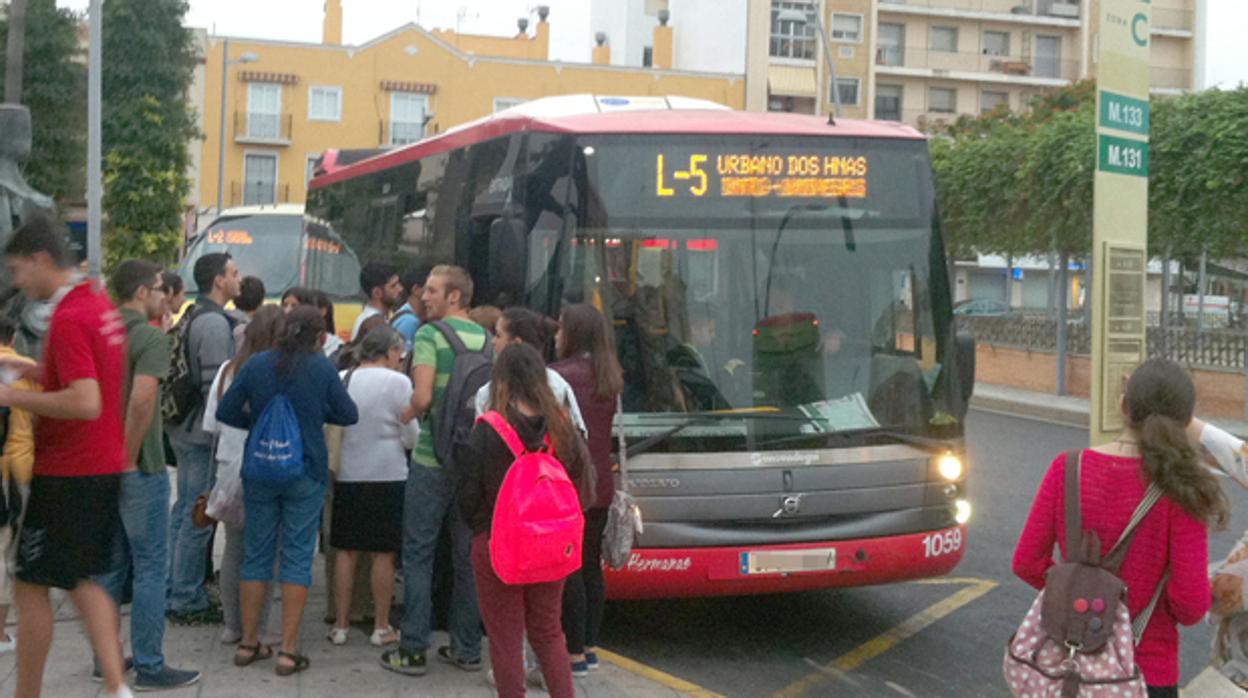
790 505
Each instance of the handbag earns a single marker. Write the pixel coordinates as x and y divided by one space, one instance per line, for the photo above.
623 516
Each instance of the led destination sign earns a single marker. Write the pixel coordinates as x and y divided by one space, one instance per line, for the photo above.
731 175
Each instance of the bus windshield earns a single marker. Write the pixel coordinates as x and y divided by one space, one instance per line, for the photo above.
797 275
283 250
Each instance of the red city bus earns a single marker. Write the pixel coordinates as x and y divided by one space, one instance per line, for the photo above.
779 290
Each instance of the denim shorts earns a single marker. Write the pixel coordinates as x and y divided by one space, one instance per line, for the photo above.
292 509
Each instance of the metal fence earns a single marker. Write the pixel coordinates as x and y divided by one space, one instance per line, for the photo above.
1213 348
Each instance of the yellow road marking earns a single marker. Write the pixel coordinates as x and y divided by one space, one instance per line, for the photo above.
659 677
890 638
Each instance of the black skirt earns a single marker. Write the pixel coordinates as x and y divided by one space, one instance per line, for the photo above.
368 516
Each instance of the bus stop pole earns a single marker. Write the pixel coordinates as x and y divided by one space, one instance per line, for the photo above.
95 181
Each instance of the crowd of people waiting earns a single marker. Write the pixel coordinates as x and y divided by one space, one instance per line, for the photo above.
131 384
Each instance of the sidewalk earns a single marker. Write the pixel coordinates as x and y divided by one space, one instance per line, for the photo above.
1063 409
350 671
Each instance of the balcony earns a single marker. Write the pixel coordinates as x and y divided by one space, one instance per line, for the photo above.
1173 22
1170 79
258 193
1064 13
915 62
257 128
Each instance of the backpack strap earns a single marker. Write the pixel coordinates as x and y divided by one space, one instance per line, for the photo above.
452 337
1118 553
505 431
1074 514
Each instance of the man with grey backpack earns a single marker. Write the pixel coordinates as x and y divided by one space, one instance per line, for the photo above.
451 360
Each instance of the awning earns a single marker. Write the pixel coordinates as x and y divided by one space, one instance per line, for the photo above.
791 81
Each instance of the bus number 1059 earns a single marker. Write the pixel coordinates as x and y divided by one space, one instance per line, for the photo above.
943 543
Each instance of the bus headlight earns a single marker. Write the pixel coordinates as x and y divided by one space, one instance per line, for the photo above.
962 511
950 467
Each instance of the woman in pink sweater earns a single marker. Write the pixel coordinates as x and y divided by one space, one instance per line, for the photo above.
1153 447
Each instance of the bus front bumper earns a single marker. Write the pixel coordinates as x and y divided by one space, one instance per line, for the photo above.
653 573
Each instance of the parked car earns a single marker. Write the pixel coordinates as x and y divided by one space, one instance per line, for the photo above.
981 307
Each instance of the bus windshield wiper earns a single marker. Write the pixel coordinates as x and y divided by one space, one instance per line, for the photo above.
698 418
895 432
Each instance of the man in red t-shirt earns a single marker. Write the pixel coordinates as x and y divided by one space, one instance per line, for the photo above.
72 515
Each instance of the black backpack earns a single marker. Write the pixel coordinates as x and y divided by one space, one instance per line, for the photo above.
182 392
458 412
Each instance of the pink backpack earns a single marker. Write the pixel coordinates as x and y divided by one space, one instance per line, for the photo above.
536 533
1078 640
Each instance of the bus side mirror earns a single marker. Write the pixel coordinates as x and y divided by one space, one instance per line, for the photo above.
964 352
508 252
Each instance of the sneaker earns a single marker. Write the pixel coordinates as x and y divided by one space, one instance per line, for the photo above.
210 615
591 660
536 679
338 636
406 662
123 692
446 654
580 670
231 637
489 679
98 676
165 679
383 636
8 645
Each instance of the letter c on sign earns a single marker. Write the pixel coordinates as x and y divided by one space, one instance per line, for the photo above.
1141 39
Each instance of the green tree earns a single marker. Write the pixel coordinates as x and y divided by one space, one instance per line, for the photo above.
149 63
54 89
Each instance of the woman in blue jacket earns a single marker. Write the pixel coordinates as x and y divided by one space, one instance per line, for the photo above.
289 511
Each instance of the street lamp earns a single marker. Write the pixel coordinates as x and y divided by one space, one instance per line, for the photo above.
226 62
793 15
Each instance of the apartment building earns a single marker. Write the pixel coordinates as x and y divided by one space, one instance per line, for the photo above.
924 60
285 103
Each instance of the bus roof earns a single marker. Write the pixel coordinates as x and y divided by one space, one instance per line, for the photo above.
569 114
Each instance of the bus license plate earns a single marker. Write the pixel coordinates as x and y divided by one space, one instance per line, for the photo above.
782 561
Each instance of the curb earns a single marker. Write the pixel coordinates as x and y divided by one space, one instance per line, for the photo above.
1052 413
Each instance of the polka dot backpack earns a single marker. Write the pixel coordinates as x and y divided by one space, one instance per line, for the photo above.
1078 640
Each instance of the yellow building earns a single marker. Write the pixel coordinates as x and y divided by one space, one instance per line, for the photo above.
288 102
906 60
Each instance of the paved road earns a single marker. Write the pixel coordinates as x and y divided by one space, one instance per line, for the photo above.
954 633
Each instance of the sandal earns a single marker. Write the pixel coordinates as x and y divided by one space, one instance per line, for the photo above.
299 663
250 654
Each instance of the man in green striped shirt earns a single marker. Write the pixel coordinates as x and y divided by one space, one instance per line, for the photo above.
430 494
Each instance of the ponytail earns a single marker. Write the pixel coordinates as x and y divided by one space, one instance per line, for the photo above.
1160 400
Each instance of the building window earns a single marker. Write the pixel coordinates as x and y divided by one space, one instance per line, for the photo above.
846 27
942 99
888 102
407 117
792 38
264 110
310 167
647 57
325 104
996 43
501 103
1048 57
892 42
944 39
848 90
259 179
990 100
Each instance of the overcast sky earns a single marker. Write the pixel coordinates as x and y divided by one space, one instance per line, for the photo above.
571 38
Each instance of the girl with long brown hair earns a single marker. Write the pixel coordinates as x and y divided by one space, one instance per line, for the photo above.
1153 448
587 361
520 392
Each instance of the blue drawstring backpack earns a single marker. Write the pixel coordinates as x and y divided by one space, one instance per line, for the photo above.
275 449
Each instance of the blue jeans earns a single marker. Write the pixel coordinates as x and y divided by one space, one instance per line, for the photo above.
144 504
429 503
188 546
285 511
